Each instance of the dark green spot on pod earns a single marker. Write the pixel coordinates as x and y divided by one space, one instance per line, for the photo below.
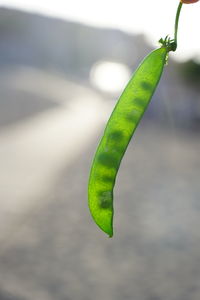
105 199
140 102
146 85
107 179
108 160
116 135
133 116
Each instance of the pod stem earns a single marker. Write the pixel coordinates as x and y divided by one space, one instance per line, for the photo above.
176 23
167 42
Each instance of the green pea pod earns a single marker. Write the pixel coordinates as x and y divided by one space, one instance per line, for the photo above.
118 132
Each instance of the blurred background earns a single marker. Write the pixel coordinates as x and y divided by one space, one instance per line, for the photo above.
62 67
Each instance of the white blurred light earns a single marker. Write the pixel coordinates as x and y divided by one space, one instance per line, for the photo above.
109 76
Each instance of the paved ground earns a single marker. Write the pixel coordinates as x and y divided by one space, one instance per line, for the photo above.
53 250
38 142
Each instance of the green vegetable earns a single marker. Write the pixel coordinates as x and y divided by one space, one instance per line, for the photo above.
119 130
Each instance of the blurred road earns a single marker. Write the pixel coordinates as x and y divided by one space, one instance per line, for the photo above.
35 149
50 248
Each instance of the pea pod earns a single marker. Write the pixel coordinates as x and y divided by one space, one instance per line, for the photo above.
118 132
